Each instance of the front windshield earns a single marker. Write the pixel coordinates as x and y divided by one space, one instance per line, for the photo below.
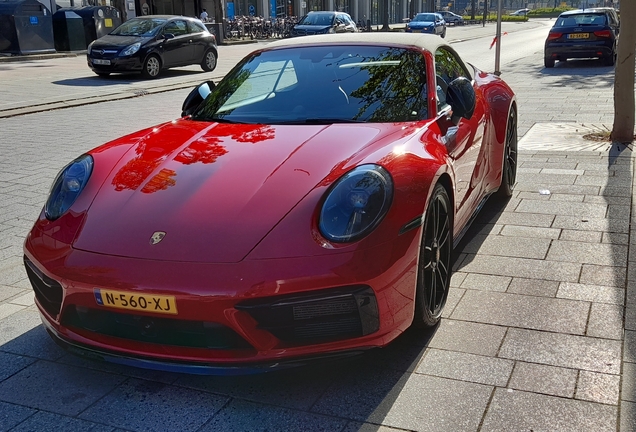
321 85
139 27
424 17
317 19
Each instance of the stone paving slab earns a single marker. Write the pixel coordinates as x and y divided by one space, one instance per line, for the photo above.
516 410
538 378
514 310
564 350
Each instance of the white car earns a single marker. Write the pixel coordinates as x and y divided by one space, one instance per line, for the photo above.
520 12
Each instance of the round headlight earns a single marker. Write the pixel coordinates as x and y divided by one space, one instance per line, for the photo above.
67 186
356 204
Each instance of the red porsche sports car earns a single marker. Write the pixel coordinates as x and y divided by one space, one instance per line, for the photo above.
305 207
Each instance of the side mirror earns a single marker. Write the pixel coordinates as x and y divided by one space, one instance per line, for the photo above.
196 96
167 36
462 99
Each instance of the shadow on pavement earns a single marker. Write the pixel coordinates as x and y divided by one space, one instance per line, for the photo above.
363 388
125 78
573 73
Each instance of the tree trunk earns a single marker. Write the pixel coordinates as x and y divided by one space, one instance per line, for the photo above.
385 15
472 9
218 11
623 129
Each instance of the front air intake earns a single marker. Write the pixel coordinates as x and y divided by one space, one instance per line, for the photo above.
48 292
157 330
318 316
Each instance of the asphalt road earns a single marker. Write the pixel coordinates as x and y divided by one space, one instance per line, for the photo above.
515 349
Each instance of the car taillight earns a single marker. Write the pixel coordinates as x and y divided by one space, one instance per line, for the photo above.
554 36
603 33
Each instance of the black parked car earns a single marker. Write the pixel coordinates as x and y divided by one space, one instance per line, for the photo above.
152 43
322 22
585 33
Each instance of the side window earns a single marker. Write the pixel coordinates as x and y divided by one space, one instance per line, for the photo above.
194 27
447 68
177 28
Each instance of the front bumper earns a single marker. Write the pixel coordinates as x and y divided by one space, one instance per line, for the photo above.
245 316
91 353
117 64
427 30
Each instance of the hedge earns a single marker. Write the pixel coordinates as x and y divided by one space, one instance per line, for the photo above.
548 12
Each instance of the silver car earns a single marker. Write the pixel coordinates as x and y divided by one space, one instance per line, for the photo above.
452 18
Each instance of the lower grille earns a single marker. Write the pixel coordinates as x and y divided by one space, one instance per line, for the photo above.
48 292
322 316
164 331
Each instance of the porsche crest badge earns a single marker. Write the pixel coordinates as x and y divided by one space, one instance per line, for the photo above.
157 237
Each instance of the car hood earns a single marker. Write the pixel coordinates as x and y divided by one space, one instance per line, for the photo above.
109 41
413 24
211 192
311 27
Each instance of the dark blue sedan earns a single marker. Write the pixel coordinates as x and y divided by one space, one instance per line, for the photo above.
427 23
590 33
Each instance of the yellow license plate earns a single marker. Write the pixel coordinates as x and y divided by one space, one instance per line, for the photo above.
138 302
108 22
579 36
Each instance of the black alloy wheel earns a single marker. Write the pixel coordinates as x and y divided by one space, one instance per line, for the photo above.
152 67
509 168
435 261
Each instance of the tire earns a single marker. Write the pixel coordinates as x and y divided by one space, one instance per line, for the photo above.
103 74
611 60
509 168
152 67
548 62
208 64
443 35
435 260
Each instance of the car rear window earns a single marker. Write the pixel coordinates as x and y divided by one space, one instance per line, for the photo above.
322 84
581 19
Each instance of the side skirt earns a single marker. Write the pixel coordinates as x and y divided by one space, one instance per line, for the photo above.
464 230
